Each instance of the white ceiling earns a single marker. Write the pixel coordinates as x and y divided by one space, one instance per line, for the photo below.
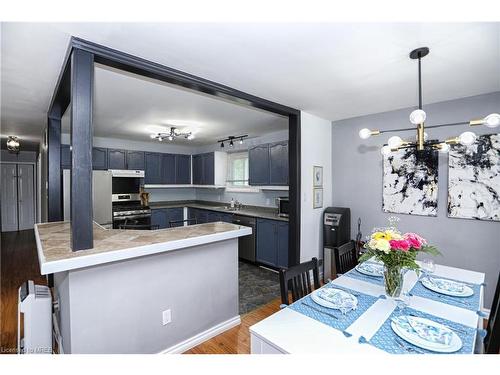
128 106
335 70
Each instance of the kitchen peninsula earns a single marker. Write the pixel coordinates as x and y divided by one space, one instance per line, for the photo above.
142 291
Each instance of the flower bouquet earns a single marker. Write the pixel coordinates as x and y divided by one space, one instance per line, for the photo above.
396 251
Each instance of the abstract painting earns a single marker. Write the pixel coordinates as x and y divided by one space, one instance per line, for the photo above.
410 182
474 179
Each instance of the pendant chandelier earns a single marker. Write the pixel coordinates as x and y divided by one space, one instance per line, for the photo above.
172 135
418 117
13 144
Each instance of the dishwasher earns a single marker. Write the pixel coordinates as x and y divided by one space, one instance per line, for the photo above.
246 244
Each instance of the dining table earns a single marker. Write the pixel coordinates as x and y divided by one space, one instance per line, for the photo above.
305 327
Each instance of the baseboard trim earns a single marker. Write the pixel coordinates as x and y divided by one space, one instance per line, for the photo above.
202 336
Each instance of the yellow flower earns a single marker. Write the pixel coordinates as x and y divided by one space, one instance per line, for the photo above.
393 235
378 235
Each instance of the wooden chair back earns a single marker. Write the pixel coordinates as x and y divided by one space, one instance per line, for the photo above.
346 257
492 339
297 280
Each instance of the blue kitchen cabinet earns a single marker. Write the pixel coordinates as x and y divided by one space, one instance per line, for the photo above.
201 216
159 218
258 165
214 216
182 169
168 171
135 160
65 157
175 214
99 158
272 243
227 218
204 169
117 159
282 261
278 163
152 168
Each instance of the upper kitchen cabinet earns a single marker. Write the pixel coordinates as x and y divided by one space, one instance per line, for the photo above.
168 169
210 168
152 168
268 164
182 169
99 158
258 165
117 159
278 158
135 160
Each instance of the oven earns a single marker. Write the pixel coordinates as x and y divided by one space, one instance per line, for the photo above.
131 216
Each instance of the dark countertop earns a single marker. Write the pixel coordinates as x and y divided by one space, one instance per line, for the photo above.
252 211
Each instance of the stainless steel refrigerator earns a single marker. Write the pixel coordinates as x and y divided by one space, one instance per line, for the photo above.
101 197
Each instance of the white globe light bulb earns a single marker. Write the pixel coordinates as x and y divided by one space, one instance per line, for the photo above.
386 150
492 120
467 138
394 142
365 133
445 147
153 136
418 116
170 137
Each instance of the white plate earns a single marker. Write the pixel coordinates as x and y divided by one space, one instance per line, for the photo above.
415 339
364 269
466 292
328 304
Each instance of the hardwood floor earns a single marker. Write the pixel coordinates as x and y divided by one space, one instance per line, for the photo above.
18 263
237 339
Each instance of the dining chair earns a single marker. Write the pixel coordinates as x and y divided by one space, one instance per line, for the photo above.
492 339
346 258
297 280
173 223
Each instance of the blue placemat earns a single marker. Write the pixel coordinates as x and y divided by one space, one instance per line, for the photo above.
386 339
469 303
355 274
319 312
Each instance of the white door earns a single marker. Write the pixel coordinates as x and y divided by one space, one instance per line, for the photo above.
26 196
9 197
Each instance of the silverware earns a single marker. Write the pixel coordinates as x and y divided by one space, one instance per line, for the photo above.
320 311
409 349
345 290
447 298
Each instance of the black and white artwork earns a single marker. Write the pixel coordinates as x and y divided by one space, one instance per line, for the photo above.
474 179
410 182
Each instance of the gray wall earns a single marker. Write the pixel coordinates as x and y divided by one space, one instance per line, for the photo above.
357 183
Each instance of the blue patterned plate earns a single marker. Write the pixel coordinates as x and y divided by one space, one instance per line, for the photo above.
371 269
333 298
448 287
426 334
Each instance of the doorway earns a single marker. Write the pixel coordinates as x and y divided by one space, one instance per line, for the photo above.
17 196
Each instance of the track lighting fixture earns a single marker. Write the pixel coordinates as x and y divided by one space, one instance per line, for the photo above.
13 144
231 139
418 117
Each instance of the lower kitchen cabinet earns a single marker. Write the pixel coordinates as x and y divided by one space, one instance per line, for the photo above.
208 216
272 242
163 216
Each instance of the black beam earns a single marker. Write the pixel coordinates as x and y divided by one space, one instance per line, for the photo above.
82 83
294 188
54 180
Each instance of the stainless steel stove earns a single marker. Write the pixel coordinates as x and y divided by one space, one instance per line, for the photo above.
131 216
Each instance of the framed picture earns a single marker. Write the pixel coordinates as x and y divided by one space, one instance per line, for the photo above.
317 197
317 176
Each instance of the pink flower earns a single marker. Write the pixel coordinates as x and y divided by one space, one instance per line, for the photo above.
414 240
403 245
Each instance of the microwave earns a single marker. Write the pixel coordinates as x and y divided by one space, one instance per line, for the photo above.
283 204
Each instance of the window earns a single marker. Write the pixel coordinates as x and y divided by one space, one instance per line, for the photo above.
237 171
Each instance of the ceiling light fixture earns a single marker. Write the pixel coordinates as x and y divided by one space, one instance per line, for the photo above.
13 144
231 139
418 117
174 133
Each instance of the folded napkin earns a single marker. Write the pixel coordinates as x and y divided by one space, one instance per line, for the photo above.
344 301
373 268
427 332
448 285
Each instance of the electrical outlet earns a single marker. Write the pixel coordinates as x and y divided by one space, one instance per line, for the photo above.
167 317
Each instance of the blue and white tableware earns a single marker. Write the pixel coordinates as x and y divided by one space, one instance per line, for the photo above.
447 287
371 269
334 298
426 334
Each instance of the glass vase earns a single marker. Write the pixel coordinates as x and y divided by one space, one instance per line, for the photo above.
393 281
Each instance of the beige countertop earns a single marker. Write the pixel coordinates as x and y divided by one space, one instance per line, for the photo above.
55 254
252 211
